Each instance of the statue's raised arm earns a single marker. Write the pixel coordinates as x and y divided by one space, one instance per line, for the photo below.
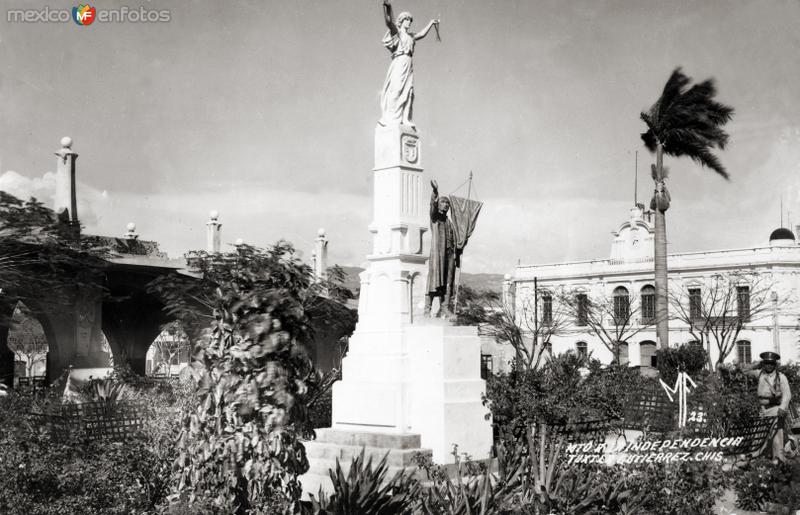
388 17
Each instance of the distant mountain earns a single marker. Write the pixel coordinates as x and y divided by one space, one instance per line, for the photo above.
480 282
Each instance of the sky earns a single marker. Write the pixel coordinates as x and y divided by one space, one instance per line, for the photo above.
265 112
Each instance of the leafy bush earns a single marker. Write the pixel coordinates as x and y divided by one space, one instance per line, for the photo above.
557 393
693 359
756 483
240 446
728 397
792 373
46 473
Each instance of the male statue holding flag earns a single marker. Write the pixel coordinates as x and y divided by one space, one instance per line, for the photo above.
449 236
442 262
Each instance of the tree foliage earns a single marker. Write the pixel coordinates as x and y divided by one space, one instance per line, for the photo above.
42 256
192 298
687 121
240 445
689 357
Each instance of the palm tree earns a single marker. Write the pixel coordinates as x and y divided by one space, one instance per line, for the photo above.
685 121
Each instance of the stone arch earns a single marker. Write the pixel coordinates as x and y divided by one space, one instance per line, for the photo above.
29 342
41 318
169 351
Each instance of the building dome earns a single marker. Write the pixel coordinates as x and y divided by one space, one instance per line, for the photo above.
781 236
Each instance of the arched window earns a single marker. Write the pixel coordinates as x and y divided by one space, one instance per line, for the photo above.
583 349
647 353
648 305
743 353
621 304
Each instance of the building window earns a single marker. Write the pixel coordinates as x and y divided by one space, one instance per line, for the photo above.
743 303
547 309
743 352
695 303
648 305
622 304
583 309
647 353
583 349
486 366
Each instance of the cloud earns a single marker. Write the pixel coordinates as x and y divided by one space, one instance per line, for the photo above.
43 188
24 188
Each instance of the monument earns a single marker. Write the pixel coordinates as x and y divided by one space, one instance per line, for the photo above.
409 383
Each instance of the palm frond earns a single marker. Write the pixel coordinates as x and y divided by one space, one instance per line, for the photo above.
687 121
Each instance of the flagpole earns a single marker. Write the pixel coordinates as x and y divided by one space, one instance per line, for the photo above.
458 269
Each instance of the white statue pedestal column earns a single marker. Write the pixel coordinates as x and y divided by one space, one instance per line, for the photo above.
409 384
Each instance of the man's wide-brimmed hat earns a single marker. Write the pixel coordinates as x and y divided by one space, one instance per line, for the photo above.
770 357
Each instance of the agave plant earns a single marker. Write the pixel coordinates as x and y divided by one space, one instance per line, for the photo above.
364 489
107 391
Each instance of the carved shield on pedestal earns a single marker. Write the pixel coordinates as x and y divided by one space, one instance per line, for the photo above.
409 148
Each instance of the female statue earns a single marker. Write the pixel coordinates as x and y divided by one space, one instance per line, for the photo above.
398 88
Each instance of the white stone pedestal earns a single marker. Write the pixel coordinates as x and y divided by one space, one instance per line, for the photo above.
424 379
409 384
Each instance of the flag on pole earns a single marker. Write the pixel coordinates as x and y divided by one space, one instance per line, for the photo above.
464 215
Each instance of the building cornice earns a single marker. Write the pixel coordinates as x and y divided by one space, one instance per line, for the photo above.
688 262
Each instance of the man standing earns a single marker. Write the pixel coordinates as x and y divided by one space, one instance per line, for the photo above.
442 262
774 396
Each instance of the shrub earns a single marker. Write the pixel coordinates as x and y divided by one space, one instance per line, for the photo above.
693 359
240 446
757 481
558 394
46 473
728 397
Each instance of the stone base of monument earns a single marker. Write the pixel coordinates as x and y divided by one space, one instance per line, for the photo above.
332 444
415 390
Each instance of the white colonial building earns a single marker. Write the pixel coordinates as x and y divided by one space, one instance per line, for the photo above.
626 280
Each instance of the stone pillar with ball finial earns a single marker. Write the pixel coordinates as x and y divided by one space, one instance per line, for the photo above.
213 232
320 254
66 196
131 232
